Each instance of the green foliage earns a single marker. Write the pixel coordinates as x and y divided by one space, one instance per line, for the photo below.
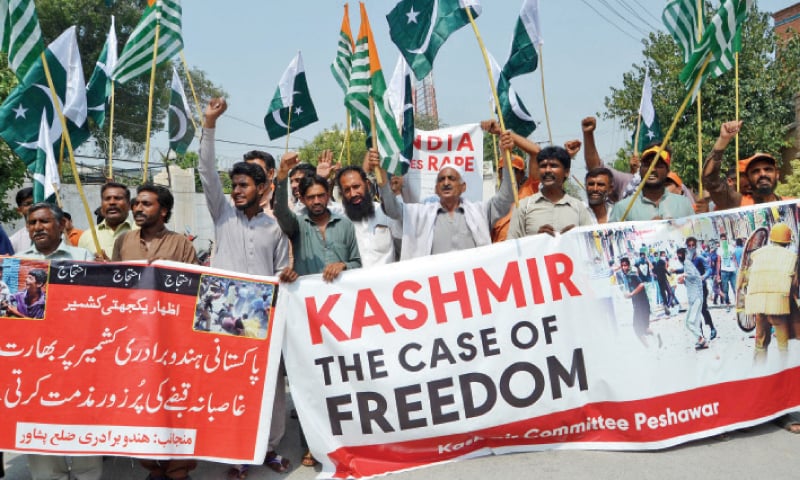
13 169
790 185
767 84
333 139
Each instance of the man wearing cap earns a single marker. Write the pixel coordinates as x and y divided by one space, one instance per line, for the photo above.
551 210
452 223
761 173
655 202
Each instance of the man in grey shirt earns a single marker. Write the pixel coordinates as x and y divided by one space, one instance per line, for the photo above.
247 240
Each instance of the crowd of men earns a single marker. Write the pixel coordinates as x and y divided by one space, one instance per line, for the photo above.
281 220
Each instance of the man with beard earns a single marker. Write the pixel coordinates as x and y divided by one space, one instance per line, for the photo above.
452 223
692 279
152 209
115 205
654 202
599 182
550 210
760 170
372 225
248 241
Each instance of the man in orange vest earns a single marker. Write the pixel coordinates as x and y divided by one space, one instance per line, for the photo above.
761 171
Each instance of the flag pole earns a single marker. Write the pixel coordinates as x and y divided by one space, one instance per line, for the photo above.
496 101
700 111
637 132
110 174
288 127
150 100
544 95
347 137
494 152
736 138
373 128
667 138
191 87
68 140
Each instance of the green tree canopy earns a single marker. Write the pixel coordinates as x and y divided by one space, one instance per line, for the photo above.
767 85
333 139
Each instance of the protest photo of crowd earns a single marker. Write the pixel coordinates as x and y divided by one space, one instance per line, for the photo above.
676 263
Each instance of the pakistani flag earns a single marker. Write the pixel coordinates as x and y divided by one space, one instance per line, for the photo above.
22 112
400 99
46 180
721 41
649 127
181 126
137 56
99 87
419 28
366 80
291 107
527 36
344 53
515 116
20 34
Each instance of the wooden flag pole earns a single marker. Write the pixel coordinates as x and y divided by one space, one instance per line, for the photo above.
494 151
736 138
150 106
496 102
288 127
544 95
347 137
110 174
637 132
374 133
191 87
68 140
667 138
700 111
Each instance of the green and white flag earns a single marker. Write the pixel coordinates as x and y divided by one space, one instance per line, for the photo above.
20 34
721 41
649 126
682 18
420 28
21 112
137 56
99 88
366 80
291 107
344 53
46 180
181 128
399 95
515 115
527 37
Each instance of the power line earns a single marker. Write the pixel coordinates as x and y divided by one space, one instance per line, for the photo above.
624 19
609 21
635 13
645 10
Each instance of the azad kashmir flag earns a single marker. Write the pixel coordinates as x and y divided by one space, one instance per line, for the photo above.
20 34
527 35
420 28
340 68
515 115
46 180
181 126
366 80
22 112
649 128
720 42
99 87
137 56
291 107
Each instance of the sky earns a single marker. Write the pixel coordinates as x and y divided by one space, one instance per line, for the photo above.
245 45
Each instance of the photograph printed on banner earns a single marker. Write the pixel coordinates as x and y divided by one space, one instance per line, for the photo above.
717 278
23 288
234 307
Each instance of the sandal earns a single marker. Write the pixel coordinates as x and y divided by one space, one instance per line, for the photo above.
789 422
238 472
309 460
276 463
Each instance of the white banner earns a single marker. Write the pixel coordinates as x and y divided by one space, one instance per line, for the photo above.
461 146
531 344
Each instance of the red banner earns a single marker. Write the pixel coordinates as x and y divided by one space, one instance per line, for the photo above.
162 361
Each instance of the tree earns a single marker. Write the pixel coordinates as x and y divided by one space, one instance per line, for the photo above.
131 104
767 83
13 169
333 139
